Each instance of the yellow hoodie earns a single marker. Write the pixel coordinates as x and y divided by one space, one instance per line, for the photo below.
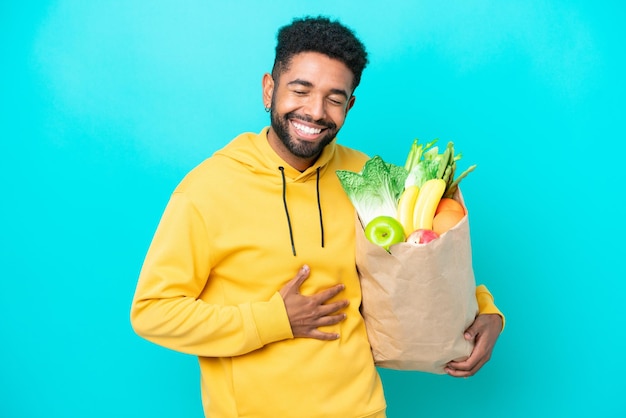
233 233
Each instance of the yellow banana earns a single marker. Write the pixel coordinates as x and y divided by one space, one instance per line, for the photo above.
426 203
405 208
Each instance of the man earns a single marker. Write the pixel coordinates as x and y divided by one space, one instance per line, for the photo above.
252 267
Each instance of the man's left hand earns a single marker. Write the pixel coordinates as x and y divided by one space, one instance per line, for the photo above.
484 332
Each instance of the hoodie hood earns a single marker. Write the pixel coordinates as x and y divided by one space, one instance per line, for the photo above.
254 152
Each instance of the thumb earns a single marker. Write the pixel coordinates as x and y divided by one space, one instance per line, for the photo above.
471 332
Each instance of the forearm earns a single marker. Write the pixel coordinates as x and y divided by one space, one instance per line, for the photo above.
195 327
168 308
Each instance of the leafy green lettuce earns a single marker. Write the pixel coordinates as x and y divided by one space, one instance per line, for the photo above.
375 190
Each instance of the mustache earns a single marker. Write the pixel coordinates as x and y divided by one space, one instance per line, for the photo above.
305 118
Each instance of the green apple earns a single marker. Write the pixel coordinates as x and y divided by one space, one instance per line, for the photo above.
384 231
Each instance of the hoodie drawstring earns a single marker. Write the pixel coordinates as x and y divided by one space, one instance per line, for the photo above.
319 207
293 245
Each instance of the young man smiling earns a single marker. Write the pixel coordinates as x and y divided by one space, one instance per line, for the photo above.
309 99
263 287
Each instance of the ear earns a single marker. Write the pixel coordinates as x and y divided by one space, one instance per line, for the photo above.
268 89
350 103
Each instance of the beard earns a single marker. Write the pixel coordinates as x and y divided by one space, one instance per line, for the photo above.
301 149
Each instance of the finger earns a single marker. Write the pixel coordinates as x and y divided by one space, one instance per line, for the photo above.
464 366
294 284
326 336
467 368
477 355
331 308
462 373
471 332
302 275
327 294
471 365
330 320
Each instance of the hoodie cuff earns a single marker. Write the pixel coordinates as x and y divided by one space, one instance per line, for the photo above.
271 320
486 303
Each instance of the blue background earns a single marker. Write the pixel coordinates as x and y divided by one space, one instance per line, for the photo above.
105 105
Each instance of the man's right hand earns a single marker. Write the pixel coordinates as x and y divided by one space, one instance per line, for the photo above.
308 313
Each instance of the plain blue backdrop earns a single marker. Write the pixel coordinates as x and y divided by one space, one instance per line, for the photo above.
105 105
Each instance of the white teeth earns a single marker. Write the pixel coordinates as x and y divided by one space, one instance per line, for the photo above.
306 129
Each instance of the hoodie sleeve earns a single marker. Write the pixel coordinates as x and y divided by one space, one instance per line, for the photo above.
166 308
486 304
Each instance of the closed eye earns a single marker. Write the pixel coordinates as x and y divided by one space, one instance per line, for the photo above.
337 102
300 86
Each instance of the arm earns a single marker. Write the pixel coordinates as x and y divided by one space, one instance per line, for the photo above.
484 332
167 310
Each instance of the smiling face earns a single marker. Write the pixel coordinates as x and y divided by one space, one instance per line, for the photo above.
309 104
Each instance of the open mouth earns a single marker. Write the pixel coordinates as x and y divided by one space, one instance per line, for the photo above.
305 130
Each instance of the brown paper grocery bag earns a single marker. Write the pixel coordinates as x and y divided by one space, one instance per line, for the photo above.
418 300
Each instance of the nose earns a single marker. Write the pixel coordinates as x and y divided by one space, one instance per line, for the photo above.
315 107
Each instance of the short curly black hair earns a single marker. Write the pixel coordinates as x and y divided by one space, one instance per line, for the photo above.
320 34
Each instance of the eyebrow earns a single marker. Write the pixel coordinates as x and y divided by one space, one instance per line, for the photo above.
305 83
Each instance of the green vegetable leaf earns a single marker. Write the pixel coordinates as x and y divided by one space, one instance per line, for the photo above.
422 171
375 190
